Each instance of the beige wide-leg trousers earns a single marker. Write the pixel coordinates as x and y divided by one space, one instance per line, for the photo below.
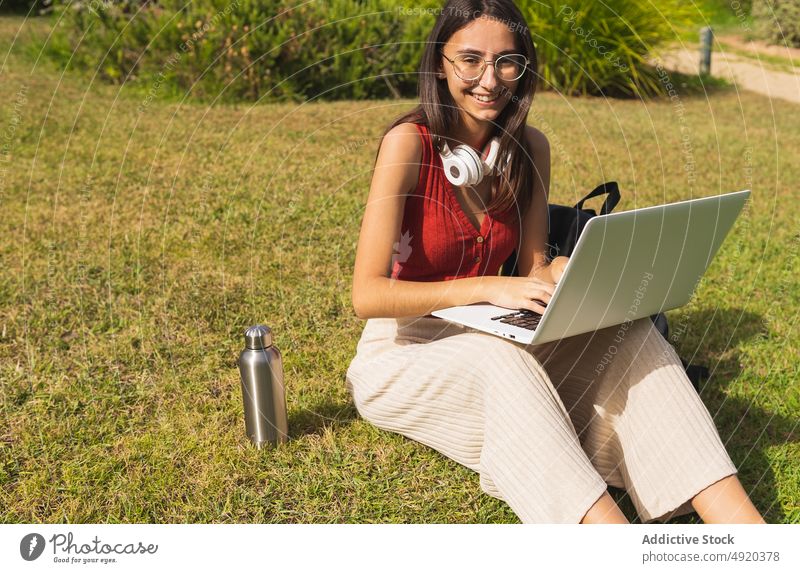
548 427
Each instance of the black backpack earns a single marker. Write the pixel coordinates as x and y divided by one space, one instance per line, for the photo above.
566 225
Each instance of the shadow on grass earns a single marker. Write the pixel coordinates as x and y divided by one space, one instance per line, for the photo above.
313 420
747 431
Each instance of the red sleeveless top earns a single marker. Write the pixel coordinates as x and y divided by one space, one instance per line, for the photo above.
438 241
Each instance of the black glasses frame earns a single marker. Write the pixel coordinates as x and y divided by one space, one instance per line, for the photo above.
486 63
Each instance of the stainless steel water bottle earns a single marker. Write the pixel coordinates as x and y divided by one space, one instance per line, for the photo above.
264 395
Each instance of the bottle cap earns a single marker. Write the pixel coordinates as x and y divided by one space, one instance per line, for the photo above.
258 337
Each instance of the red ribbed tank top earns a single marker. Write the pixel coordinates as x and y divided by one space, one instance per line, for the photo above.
438 241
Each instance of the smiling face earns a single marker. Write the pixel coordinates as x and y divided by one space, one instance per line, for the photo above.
488 39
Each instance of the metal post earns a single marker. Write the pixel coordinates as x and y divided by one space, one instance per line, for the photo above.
706 38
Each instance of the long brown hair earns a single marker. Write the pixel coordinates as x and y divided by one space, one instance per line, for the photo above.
439 113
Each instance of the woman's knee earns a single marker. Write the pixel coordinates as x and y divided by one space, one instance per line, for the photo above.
630 346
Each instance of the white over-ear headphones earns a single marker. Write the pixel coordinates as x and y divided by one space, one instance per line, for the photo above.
463 165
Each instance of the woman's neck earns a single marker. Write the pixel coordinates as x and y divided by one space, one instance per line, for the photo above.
471 132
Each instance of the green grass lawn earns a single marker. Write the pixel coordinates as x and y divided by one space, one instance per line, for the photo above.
139 238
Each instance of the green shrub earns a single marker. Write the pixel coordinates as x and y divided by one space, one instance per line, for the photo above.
32 7
334 49
590 47
248 49
777 21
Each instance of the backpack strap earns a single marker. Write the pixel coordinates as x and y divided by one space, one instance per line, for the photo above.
611 188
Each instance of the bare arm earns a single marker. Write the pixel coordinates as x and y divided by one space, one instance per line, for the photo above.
374 293
413 298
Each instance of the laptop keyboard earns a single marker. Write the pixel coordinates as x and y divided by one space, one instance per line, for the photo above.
523 318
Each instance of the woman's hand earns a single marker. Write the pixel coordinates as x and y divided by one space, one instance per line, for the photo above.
520 293
557 267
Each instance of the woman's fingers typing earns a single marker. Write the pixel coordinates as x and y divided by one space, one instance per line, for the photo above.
536 306
522 293
540 294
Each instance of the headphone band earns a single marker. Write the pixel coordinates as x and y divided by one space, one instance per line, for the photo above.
464 165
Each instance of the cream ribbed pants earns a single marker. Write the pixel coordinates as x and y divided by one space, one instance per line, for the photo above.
548 427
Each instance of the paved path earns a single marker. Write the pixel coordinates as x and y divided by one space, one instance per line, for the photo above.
746 72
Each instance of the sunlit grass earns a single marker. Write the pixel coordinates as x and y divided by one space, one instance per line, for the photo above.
136 247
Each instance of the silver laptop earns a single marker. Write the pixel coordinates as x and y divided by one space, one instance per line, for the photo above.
625 266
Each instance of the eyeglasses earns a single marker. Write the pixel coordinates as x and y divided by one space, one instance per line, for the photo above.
508 67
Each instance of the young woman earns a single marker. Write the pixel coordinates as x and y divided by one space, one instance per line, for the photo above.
545 431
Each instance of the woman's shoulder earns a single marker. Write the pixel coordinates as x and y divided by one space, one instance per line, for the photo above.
407 133
536 140
402 153
403 143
